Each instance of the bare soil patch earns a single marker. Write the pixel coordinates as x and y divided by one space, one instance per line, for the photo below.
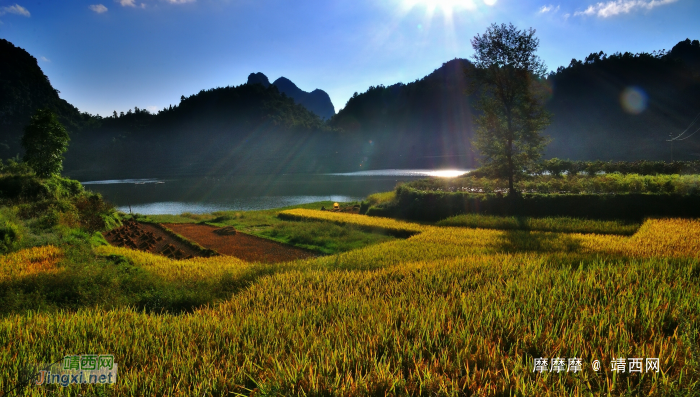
151 238
241 245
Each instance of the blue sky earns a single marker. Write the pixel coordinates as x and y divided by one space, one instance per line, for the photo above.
106 55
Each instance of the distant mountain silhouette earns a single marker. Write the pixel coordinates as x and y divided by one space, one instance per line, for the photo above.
316 101
258 78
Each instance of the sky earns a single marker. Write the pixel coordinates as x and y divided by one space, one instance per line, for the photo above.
106 55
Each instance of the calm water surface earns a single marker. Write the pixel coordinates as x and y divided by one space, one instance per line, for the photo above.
253 192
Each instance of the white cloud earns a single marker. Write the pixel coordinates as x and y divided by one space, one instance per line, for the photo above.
612 8
98 8
152 109
15 9
180 1
549 8
45 59
126 3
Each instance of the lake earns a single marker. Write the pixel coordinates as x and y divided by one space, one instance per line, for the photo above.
252 192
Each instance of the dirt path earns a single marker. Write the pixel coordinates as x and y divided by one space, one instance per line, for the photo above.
243 246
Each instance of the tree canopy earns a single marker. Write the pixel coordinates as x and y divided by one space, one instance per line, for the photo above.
44 141
509 75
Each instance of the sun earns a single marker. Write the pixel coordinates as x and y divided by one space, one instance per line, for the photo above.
447 6
430 12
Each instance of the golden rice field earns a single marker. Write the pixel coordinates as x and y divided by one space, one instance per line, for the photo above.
448 311
29 261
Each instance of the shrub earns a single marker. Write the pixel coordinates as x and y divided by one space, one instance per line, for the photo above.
95 214
606 183
643 167
15 166
23 187
10 236
50 218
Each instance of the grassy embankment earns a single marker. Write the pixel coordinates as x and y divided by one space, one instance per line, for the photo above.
448 311
546 224
630 197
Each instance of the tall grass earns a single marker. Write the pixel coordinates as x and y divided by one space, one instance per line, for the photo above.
456 326
379 198
550 224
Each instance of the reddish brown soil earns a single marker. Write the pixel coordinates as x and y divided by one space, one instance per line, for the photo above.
150 238
240 245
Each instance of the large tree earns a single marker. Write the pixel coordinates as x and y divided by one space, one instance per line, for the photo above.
510 78
44 141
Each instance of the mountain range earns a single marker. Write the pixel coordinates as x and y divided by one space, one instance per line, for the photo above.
316 101
260 127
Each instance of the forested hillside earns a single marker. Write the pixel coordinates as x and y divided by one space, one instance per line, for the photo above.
248 128
626 106
427 123
24 88
429 120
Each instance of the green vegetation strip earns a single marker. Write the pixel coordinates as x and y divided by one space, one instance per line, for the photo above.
608 183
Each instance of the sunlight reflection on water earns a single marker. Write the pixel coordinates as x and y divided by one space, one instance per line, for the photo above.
413 173
242 204
207 194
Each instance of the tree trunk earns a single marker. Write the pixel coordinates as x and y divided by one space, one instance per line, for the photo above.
509 152
511 188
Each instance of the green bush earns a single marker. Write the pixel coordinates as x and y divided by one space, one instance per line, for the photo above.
63 187
557 166
15 166
50 218
95 213
607 183
28 187
10 236
23 187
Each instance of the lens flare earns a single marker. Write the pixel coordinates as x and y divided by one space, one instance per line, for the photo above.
446 173
634 100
